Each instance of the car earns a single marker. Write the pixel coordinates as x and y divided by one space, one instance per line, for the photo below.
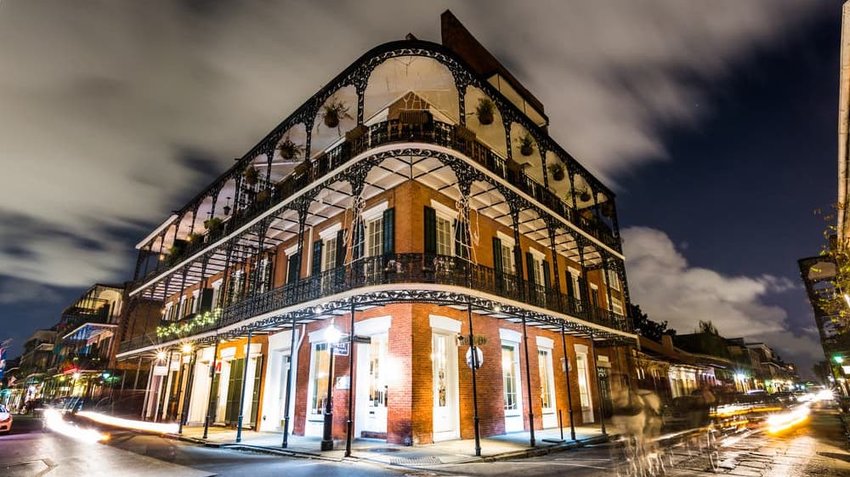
5 419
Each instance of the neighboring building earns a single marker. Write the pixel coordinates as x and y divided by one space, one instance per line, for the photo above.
38 351
772 373
415 195
671 372
818 273
84 343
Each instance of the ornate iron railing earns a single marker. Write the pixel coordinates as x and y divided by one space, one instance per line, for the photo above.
407 268
387 132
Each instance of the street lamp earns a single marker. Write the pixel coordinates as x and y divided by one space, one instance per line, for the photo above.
332 336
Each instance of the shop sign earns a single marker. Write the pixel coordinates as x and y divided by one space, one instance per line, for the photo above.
479 357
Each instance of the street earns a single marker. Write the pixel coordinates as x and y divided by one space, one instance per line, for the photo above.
29 451
814 448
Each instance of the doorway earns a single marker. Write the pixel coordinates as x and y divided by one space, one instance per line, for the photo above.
445 387
372 388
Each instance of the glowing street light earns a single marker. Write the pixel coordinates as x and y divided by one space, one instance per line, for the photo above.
186 348
160 355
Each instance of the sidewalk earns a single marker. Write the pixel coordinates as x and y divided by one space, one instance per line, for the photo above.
506 446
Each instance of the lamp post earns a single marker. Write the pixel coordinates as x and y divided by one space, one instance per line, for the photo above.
332 336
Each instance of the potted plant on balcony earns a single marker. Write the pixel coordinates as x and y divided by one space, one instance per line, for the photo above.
583 194
251 175
262 196
526 144
213 225
333 112
557 171
194 237
289 150
484 111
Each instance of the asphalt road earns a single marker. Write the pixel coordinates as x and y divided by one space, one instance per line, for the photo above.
815 448
29 451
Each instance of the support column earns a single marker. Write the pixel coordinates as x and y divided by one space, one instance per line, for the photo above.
210 396
145 404
517 249
474 352
242 391
528 384
598 384
556 272
327 432
286 417
349 430
190 384
567 377
163 389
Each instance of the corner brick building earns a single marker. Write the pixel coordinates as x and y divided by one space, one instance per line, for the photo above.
414 195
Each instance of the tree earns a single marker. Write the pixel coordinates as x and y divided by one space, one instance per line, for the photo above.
648 328
708 327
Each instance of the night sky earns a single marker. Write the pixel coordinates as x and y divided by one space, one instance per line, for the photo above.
715 122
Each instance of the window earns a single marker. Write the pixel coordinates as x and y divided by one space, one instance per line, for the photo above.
508 259
216 297
375 237
196 303
263 275
510 376
547 378
583 385
617 306
319 378
235 286
445 237
576 288
612 279
168 311
329 252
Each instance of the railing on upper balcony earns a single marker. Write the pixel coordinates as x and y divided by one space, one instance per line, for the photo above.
387 132
404 268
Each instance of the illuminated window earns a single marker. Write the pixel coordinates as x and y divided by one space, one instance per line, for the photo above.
445 238
510 376
319 378
547 378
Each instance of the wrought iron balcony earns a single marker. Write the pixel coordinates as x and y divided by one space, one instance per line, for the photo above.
388 132
408 268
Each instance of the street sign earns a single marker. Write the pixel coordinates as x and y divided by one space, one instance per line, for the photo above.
479 357
341 348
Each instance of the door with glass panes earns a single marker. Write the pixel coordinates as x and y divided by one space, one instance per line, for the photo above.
445 384
372 387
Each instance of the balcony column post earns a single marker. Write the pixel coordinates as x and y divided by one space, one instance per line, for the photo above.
261 228
182 298
567 379
614 222
286 400
163 389
572 182
226 275
190 381
268 150
474 356
584 288
360 89
606 280
507 125
302 207
528 384
461 101
542 151
194 218
556 272
349 428
210 396
514 211
242 391
180 374
595 371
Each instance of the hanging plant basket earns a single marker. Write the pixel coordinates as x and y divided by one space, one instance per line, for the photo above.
479 340
289 150
557 171
263 196
213 224
334 112
526 145
584 195
251 175
484 111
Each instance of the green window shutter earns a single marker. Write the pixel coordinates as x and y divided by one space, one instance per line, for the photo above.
547 280
529 267
389 231
497 254
340 248
430 230
317 258
359 234
292 272
570 290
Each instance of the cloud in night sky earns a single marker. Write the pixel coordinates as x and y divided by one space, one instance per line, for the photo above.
668 289
103 99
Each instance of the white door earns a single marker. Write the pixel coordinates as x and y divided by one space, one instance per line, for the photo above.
444 362
511 387
584 388
223 384
547 388
372 388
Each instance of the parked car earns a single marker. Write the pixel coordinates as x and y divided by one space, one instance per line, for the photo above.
5 419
